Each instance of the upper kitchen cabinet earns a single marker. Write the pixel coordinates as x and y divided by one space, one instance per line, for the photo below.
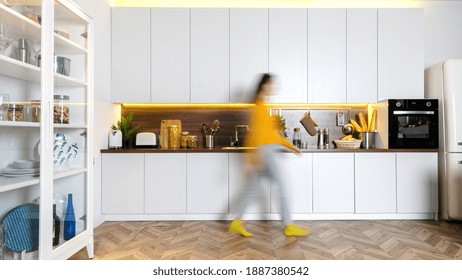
170 42
248 51
400 53
327 55
287 54
361 49
131 54
209 55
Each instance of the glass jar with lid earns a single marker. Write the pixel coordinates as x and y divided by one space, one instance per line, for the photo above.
192 141
184 139
16 112
173 137
34 110
61 109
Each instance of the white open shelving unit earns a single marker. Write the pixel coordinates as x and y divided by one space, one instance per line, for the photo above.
19 140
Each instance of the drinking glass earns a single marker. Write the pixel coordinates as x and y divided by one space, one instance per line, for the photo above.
5 41
4 104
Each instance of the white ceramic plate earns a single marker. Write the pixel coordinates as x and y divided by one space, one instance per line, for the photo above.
65 149
26 164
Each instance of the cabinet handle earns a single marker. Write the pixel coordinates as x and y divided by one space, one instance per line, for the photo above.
460 161
459 143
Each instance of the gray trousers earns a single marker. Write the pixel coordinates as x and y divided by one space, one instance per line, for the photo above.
271 169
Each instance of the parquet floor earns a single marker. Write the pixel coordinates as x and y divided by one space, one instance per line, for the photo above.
329 240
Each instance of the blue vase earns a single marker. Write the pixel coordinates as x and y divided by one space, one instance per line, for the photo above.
69 219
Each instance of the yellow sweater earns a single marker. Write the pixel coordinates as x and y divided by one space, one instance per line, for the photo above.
263 129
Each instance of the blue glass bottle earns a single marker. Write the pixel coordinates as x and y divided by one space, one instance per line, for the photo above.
69 219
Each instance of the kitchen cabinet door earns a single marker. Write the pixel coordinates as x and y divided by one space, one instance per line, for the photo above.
361 60
238 186
298 179
400 53
248 51
333 183
287 54
131 49
375 183
327 55
417 182
170 55
122 184
207 176
165 183
209 55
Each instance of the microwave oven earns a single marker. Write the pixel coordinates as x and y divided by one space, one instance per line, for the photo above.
407 124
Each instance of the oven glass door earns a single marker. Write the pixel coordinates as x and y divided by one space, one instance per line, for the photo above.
413 129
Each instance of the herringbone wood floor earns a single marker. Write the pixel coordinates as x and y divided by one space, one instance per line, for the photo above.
329 240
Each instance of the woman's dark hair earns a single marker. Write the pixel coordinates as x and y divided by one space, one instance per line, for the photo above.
265 78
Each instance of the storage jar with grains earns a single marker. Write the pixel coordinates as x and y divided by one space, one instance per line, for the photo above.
184 139
16 113
61 109
35 110
173 137
192 141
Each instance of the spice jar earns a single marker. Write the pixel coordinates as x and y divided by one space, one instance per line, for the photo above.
16 113
61 109
192 141
184 139
35 110
173 137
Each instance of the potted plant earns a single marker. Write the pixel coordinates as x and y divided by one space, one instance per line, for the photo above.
124 126
281 124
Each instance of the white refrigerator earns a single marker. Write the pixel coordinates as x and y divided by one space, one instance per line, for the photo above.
444 82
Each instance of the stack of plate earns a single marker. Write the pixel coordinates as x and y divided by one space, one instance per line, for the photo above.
22 168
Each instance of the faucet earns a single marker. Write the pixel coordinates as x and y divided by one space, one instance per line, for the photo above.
235 143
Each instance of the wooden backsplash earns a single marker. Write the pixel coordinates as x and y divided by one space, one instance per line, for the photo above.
191 120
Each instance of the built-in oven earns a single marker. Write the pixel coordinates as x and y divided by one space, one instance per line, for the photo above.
412 123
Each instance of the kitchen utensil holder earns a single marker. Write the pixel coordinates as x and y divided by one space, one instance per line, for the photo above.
368 140
209 141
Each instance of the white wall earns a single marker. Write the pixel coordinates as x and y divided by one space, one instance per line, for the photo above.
443 38
104 111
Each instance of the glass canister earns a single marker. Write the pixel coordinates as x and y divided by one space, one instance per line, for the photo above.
16 113
61 109
34 109
192 141
184 139
173 137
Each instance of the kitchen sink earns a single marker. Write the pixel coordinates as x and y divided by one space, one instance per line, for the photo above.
238 148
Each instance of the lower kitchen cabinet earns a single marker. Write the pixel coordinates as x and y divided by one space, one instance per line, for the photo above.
238 185
375 183
333 183
123 184
417 182
298 183
165 183
207 177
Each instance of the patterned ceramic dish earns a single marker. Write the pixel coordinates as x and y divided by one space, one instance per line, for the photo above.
65 150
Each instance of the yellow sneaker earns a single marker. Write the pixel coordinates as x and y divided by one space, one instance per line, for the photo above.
293 230
237 227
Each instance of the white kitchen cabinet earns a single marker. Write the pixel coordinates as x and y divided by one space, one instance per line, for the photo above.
238 185
361 49
207 177
327 55
248 51
400 53
297 173
131 55
123 184
417 182
209 55
288 54
375 183
165 183
170 59
333 183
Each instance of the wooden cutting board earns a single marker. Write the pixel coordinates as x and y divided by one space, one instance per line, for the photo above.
163 137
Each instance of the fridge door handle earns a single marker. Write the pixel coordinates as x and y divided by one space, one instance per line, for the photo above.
459 143
460 162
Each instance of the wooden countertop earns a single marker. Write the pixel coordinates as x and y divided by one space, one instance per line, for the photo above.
220 150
